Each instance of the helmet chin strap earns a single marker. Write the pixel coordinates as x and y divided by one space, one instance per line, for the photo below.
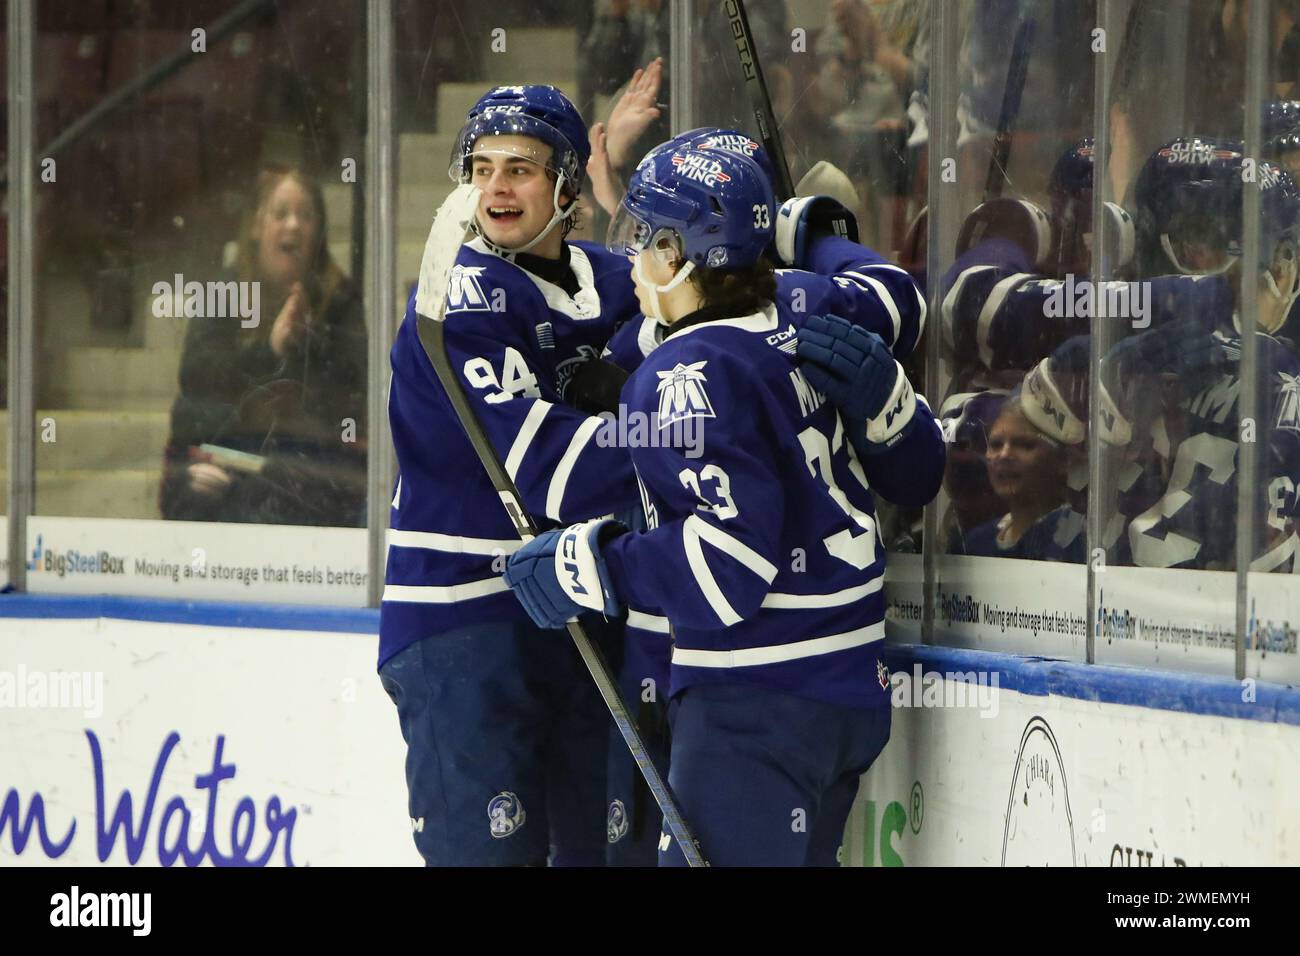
653 309
557 217
1173 257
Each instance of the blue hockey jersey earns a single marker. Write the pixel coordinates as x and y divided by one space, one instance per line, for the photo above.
515 340
1194 524
762 548
996 312
844 279
1058 535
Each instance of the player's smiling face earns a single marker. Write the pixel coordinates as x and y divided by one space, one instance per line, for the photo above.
518 192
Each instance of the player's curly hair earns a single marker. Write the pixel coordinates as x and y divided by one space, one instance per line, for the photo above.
742 290
572 221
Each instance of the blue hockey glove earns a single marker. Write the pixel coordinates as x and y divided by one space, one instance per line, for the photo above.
855 370
560 574
804 218
1190 348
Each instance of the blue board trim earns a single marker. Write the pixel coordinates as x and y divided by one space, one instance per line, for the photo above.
1033 676
290 617
1105 684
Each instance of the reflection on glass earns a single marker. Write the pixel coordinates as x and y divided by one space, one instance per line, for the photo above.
269 425
180 371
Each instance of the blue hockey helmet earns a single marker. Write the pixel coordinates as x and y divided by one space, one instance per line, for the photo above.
713 207
541 112
1190 191
1072 174
1070 191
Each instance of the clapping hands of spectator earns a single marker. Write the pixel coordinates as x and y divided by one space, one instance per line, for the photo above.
292 322
207 479
635 110
605 185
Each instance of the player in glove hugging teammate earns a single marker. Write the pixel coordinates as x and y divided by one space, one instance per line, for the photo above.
761 548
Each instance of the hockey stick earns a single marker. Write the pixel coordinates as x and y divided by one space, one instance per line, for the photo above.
764 118
451 227
759 99
1012 94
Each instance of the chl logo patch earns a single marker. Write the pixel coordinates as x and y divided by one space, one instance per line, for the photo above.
682 394
882 675
616 823
505 814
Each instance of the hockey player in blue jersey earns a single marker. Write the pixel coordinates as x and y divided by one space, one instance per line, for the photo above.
506 734
1181 381
825 272
495 717
762 551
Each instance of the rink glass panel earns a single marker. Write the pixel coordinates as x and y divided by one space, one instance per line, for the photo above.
4 333
1164 587
157 345
1010 526
200 378
1271 435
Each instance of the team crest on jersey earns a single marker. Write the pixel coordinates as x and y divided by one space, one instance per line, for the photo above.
1288 410
465 291
682 394
616 823
505 814
564 371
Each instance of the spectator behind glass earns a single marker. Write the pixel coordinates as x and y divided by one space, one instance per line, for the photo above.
269 426
1027 471
872 54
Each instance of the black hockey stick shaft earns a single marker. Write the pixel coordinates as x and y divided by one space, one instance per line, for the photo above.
433 340
759 100
1012 95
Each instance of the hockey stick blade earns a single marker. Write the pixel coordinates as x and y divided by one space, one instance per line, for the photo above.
450 228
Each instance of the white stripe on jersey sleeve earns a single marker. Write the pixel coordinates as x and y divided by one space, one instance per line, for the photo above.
413 594
730 546
949 305
922 309
887 300
991 306
525 437
834 599
560 479
452 543
647 622
779 653
704 577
